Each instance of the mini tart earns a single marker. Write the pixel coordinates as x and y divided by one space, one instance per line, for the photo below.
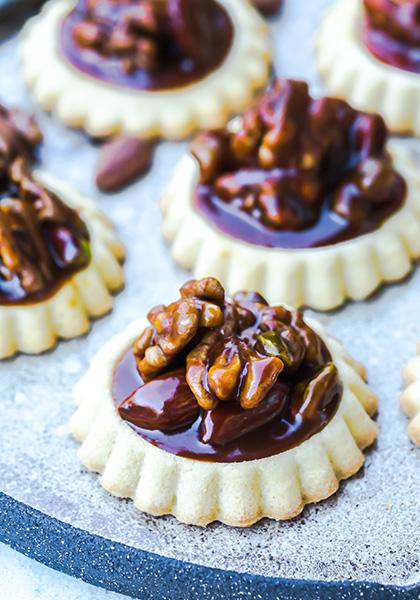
34 328
321 278
350 71
410 398
199 492
102 109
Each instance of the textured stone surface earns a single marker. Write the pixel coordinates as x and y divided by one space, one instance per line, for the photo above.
370 530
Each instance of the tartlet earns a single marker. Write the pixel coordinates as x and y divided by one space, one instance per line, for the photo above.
410 398
59 256
223 410
298 198
68 48
369 53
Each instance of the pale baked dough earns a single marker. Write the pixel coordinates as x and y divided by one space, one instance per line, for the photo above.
353 73
410 398
322 278
199 492
103 109
34 328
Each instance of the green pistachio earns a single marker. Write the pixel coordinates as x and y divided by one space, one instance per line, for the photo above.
84 255
272 344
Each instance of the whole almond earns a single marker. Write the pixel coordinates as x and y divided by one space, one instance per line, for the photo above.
121 161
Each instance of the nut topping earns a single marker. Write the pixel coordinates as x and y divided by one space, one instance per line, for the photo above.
317 392
175 326
166 403
290 159
148 35
261 375
229 421
238 363
41 238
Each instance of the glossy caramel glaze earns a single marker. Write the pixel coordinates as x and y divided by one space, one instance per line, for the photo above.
175 69
286 430
12 292
297 172
328 228
43 242
391 32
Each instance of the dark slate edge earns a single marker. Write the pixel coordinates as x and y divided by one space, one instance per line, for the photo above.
141 574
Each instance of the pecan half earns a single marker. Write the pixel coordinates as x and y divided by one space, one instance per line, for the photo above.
175 326
197 362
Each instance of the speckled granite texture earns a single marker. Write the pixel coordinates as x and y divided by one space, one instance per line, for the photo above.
369 531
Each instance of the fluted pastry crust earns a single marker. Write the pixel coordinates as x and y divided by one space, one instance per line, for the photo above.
34 328
199 492
410 398
353 73
102 109
322 278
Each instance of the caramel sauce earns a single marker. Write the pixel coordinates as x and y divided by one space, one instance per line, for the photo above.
175 69
58 260
13 294
281 433
328 228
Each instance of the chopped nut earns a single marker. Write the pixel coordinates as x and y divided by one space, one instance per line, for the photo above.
272 344
289 155
121 41
205 289
143 342
229 421
314 394
208 148
196 371
88 35
223 375
260 377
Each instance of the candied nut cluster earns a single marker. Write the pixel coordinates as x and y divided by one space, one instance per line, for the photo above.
139 32
241 362
39 235
290 155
